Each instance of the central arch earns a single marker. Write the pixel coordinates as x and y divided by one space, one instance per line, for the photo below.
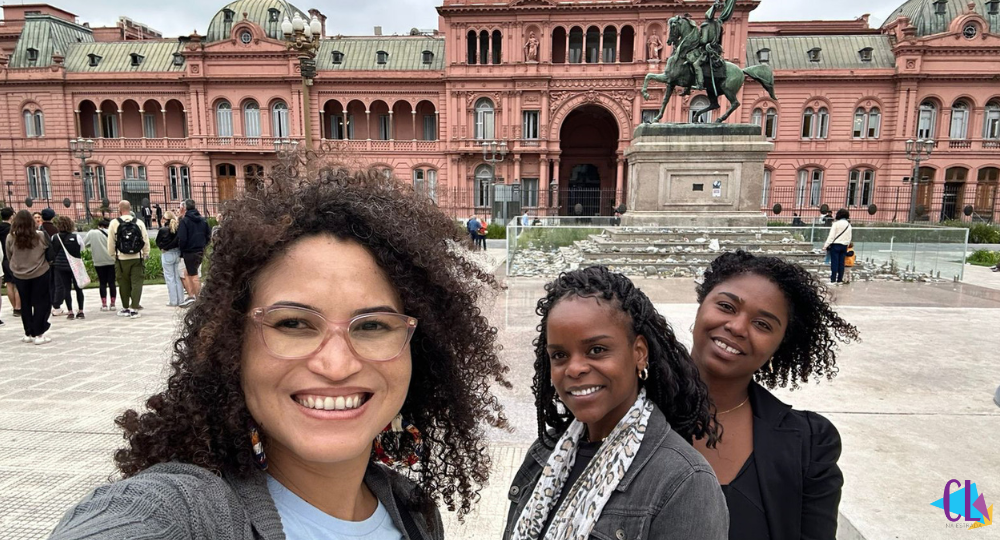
588 141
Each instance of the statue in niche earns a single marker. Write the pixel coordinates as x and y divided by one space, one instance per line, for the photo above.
531 48
653 47
697 63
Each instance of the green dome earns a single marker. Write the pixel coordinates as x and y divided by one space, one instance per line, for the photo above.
266 14
923 14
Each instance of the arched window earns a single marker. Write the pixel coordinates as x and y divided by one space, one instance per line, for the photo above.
497 47
609 53
867 124
959 120
224 119
279 119
425 182
251 119
484 47
809 189
771 124
471 42
34 124
134 171
757 118
808 123
860 123
874 123
860 187
179 177
576 45
927 120
484 119
823 123
991 127
484 176
593 45
700 103
39 186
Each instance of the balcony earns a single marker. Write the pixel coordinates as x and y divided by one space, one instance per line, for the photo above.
959 143
385 146
141 144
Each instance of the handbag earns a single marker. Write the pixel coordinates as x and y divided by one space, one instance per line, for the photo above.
76 265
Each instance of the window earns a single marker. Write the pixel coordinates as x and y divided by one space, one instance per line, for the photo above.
338 57
38 182
874 123
384 127
941 7
227 15
764 56
993 7
767 188
867 123
484 119
93 60
771 124
484 174
96 178
430 127
959 121
497 47
970 31
381 57
34 124
811 183
529 192
224 119
246 37
136 59
816 125
927 120
700 103
425 182
471 41
180 182
149 125
648 115
530 129
808 123
757 118
865 54
860 187
109 126
32 56
273 15
814 54
991 127
279 120
860 123
178 59
427 57
251 119
823 124
134 172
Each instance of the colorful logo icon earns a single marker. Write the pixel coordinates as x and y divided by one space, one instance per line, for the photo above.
966 503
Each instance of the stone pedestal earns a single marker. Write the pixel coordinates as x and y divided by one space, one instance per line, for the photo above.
699 175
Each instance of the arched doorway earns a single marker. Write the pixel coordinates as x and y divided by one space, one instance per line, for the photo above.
225 180
588 140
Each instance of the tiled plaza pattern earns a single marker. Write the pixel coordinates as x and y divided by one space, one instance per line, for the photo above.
912 402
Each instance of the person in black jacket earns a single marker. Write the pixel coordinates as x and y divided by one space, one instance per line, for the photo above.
66 238
170 259
193 236
6 216
764 322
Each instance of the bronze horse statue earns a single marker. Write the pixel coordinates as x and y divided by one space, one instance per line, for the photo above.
684 36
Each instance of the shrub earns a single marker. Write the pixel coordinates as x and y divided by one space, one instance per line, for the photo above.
496 231
984 257
979 233
553 238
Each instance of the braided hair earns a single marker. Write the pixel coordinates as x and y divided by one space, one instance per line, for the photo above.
674 384
814 328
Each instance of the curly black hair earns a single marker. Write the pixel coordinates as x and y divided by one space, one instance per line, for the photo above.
809 347
202 418
673 384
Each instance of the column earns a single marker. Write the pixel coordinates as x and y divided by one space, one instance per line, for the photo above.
392 127
322 124
76 116
600 47
346 128
620 182
121 125
142 123
437 125
543 182
517 168
163 116
414 122
618 46
543 119
555 179
568 29
368 122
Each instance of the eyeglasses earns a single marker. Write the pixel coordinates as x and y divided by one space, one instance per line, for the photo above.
293 333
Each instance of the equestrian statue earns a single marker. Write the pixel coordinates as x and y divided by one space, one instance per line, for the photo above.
696 63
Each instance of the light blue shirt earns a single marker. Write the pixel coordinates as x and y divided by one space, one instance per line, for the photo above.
303 521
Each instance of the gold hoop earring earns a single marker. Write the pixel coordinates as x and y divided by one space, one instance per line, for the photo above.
644 374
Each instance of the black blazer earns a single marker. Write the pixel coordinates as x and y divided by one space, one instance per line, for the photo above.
796 453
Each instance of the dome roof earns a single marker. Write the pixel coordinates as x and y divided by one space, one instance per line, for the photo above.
266 14
923 14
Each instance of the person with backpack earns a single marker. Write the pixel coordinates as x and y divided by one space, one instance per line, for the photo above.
104 262
193 235
65 244
472 226
147 215
129 242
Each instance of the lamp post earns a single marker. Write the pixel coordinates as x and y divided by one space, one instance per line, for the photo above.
82 149
493 152
917 151
10 193
302 36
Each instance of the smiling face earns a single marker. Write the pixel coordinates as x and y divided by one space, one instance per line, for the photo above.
739 327
289 398
594 361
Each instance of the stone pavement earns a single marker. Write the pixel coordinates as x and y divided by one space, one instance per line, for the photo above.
913 403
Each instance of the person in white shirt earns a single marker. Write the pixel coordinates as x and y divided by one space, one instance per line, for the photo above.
836 243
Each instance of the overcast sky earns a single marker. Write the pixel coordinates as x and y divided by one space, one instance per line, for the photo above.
180 17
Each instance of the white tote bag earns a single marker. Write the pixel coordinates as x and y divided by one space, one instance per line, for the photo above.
76 265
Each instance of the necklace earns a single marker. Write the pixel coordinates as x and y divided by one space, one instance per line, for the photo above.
734 408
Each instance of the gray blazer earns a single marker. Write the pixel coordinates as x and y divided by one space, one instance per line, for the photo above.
669 492
176 501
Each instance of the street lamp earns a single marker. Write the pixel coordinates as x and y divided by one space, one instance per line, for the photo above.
493 152
303 37
917 151
83 149
285 147
10 193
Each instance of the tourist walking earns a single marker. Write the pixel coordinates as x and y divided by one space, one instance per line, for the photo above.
193 235
324 353
129 242
481 234
65 244
473 227
763 322
104 263
170 258
836 244
159 215
29 251
147 215
6 217
618 400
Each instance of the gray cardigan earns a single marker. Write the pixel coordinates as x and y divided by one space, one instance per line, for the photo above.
175 501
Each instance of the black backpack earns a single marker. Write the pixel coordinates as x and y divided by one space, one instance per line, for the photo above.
129 240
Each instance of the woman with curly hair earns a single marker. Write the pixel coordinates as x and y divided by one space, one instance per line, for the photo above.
618 402
764 321
323 343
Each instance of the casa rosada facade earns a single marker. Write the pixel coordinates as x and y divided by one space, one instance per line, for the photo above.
555 83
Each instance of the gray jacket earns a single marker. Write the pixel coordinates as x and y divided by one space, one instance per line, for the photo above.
669 492
175 501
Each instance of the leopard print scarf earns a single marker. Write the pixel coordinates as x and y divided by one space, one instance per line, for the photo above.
578 513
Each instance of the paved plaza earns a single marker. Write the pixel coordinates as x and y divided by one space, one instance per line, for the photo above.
913 402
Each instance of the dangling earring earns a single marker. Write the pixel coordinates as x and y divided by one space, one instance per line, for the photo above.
390 442
644 374
770 365
259 457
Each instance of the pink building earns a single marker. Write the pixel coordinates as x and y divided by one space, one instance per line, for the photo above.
555 82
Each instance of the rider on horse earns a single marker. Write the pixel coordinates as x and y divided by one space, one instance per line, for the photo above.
709 47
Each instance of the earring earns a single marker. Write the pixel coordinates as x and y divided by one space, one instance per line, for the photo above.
644 374
770 365
390 442
259 457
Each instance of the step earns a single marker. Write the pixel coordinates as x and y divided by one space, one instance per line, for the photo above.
673 245
682 258
693 234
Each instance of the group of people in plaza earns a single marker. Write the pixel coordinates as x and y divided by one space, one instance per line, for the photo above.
335 381
43 266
